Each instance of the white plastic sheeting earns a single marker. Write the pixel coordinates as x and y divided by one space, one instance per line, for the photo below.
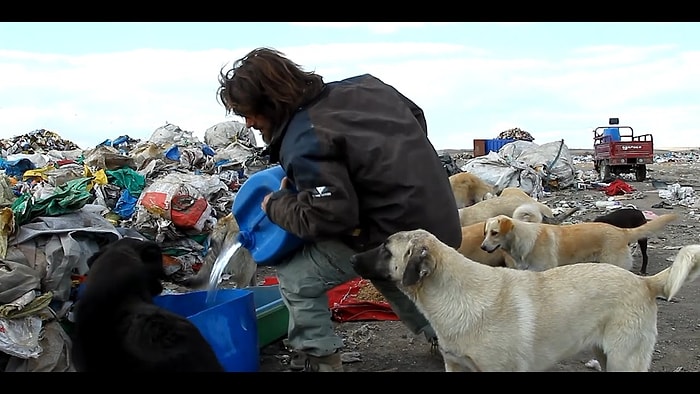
525 165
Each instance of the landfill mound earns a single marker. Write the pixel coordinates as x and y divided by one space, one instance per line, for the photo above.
40 140
515 134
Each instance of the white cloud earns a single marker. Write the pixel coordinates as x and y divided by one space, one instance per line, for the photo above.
100 96
466 92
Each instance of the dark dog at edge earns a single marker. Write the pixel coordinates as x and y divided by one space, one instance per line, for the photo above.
628 218
119 328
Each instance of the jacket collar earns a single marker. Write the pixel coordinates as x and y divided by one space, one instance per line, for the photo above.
273 148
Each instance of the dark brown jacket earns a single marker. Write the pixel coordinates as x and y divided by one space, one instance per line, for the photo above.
363 168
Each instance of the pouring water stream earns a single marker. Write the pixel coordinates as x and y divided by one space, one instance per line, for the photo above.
218 269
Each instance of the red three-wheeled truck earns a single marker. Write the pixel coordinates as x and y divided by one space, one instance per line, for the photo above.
618 151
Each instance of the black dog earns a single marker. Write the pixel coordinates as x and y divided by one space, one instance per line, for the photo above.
119 328
628 218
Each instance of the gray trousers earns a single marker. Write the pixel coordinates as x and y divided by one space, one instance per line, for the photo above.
304 280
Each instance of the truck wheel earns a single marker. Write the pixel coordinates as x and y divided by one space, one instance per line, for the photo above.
640 173
604 171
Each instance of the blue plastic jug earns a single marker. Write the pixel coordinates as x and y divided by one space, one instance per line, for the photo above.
612 132
266 241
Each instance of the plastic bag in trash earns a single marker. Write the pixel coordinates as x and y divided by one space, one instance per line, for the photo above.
20 337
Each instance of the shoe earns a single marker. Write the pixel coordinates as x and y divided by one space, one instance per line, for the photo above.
330 363
298 361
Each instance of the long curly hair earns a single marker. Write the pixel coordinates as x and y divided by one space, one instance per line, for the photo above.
265 82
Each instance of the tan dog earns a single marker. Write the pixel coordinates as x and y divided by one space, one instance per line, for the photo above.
240 266
509 199
469 189
473 236
538 247
499 319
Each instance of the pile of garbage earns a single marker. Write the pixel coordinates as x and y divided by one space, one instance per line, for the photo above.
35 141
515 134
448 163
60 203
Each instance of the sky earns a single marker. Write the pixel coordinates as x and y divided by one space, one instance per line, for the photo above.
92 81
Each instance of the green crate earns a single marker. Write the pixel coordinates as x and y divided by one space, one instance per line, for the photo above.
272 315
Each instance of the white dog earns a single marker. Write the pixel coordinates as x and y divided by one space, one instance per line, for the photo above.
500 319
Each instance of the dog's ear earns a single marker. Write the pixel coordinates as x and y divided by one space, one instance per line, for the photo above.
418 266
505 225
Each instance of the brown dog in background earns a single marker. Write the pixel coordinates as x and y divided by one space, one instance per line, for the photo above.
469 189
538 247
504 204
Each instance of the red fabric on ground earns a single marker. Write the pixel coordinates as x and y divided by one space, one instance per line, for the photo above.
618 187
344 305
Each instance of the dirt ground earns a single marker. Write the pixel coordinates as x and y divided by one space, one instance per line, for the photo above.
387 346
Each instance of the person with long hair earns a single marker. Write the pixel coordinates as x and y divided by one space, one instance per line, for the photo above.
357 154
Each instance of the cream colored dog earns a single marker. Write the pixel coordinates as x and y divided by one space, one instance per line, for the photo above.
469 189
473 236
538 247
509 199
500 319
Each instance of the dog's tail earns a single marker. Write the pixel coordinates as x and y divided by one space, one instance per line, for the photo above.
685 268
528 213
558 219
649 228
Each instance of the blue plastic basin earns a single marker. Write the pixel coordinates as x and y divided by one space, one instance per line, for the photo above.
229 324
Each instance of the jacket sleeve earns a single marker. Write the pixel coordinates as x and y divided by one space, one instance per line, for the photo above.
324 202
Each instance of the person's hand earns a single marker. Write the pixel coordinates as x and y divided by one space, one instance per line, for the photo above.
283 185
263 204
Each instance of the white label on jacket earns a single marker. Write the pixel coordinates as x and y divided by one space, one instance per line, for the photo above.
321 191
